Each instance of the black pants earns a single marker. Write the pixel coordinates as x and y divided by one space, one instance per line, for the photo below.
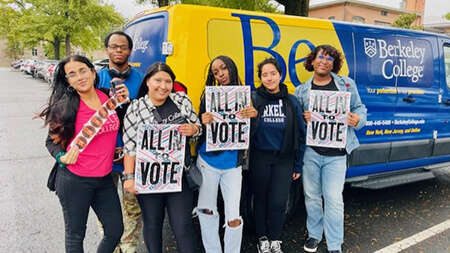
271 178
76 194
179 208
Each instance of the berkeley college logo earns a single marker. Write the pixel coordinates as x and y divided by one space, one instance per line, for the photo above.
370 47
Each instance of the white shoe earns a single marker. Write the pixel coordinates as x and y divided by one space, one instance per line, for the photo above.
275 247
263 245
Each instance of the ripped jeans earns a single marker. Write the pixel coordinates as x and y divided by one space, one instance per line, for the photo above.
230 182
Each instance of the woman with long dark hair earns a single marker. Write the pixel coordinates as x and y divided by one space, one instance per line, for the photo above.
277 149
157 103
222 168
83 178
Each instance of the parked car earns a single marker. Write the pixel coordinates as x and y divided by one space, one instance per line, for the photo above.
42 70
50 73
101 63
26 66
16 64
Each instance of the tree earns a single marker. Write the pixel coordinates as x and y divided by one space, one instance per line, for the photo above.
295 7
80 23
406 21
251 5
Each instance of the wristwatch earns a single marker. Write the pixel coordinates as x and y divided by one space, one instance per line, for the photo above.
128 176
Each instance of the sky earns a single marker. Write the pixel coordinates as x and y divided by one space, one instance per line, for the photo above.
432 7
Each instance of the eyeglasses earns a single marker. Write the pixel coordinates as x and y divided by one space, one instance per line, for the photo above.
84 72
328 58
114 47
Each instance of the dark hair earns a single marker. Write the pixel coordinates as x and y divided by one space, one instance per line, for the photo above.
130 41
272 61
153 69
61 111
232 70
327 49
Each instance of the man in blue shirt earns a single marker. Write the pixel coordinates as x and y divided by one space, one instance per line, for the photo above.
118 46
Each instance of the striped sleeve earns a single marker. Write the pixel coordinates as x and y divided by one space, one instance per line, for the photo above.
130 128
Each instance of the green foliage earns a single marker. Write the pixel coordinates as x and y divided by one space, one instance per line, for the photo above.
406 21
295 7
83 23
447 16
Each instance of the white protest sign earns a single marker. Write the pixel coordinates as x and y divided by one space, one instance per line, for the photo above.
230 131
328 125
159 159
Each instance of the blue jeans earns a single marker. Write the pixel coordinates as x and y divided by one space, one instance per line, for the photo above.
230 182
324 176
76 195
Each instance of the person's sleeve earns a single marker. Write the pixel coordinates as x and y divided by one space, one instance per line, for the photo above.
192 117
130 130
298 95
298 163
52 147
356 105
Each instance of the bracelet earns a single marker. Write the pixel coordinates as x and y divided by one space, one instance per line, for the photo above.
58 159
128 176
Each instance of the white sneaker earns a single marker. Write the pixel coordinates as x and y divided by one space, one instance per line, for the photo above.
263 245
275 247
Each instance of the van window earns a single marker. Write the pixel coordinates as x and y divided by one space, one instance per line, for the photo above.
415 65
447 64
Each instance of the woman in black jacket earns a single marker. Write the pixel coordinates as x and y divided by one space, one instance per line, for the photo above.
276 157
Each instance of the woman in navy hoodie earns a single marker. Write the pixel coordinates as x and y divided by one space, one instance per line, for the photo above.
276 158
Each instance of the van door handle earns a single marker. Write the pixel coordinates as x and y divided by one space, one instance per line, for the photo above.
409 99
446 102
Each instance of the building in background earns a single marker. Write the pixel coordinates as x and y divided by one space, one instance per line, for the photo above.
437 25
38 53
367 13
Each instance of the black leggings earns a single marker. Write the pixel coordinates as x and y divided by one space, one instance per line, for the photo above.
271 178
76 194
179 208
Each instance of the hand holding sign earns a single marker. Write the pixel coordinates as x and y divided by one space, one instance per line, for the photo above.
307 116
188 129
71 156
352 119
207 118
249 112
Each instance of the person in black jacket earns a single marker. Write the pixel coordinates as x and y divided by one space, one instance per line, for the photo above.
276 157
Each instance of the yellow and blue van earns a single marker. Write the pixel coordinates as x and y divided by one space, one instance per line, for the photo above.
402 76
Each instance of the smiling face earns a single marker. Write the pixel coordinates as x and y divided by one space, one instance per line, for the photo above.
220 72
323 64
270 78
118 50
79 76
159 87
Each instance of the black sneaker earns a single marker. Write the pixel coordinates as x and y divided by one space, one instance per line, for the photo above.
311 245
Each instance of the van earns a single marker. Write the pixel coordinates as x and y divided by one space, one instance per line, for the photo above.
403 76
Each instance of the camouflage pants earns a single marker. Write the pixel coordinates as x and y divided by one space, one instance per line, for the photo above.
132 220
